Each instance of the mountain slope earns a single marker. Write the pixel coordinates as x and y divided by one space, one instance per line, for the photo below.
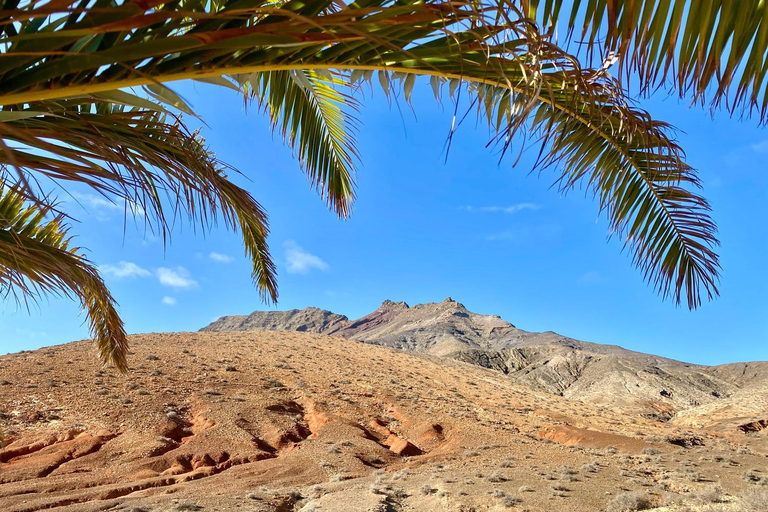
296 422
600 374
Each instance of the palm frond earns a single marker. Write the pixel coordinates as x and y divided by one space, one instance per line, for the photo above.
120 46
136 155
593 137
314 117
711 50
36 258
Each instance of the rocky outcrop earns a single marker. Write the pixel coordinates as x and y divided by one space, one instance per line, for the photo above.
313 320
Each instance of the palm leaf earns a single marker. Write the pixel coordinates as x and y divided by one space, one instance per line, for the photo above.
712 50
35 259
312 115
139 156
591 135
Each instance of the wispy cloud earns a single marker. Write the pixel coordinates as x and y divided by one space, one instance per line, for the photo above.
32 335
124 269
221 258
760 147
527 235
301 262
746 154
94 201
513 208
590 277
503 235
169 301
175 278
102 205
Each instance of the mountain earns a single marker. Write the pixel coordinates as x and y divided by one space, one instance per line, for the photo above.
608 375
312 320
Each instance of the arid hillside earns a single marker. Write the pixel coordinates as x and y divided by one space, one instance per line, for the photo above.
607 375
288 421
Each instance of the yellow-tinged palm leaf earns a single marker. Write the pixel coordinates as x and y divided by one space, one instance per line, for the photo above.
35 259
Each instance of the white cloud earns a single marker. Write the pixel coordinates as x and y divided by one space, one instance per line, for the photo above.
502 209
102 204
31 334
178 278
169 301
590 277
125 269
760 147
136 209
301 262
221 258
96 202
504 235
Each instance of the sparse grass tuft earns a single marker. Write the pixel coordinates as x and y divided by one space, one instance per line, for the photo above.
510 501
496 477
188 506
629 502
753 476
710 494
427 489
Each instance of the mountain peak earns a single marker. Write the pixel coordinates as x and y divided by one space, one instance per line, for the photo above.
449 302
388 304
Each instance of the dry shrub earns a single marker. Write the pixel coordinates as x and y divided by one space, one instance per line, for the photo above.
710 494
629 502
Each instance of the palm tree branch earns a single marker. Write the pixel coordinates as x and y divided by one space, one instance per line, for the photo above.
312 116
35 259
138 156
251 43
713 50
594 136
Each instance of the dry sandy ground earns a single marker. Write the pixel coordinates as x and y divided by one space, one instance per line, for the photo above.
278 421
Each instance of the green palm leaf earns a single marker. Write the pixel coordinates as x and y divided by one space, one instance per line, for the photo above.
135 155
714 48
138 156
312 115
35 259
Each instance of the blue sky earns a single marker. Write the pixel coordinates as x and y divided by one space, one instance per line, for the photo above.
495 237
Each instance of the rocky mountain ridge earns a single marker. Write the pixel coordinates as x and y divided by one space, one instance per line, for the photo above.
599 374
